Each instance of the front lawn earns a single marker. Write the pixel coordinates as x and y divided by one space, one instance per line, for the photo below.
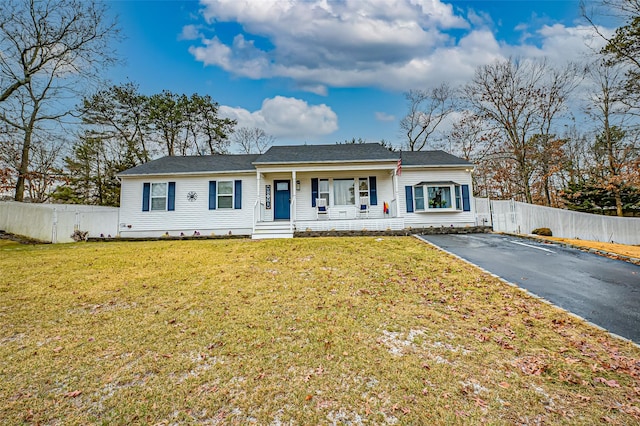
304 331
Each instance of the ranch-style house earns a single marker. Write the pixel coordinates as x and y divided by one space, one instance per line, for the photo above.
296 188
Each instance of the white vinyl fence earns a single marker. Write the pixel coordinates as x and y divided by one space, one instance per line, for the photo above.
522 218
56 223
483 211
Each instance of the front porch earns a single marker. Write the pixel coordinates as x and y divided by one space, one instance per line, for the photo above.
286 229
367 224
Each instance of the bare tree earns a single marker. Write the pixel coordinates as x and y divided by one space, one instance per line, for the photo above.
558 84
521 99
427 110
252 140
623 47
48 48
617 152
37 36
471 137
45 170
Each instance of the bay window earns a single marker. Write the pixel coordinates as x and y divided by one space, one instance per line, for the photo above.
437 196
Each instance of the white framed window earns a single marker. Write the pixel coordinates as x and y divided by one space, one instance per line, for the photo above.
418 196
363 187
323 189
344 192
439 197
158 196
225 194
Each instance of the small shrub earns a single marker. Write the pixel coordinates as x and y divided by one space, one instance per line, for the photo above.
546 232
79 235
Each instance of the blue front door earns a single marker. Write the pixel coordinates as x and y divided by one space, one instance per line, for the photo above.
282 199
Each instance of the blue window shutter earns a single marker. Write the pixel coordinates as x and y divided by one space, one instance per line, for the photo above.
212 195
237 203
409 193
373 191
171 202
466 205
314 191
146 195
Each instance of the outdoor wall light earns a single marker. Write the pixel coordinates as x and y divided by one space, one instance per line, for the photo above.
297 185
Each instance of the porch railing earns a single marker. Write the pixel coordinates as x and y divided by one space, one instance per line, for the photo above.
258 213
292 216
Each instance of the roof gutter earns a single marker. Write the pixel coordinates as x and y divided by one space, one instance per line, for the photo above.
199 173
277 163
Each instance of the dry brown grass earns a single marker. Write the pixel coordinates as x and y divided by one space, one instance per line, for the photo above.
303 331
623 249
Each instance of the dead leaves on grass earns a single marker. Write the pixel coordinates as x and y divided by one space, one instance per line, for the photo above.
442 326
532 365
73 394
611 383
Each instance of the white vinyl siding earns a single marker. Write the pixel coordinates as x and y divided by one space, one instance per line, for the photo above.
194 214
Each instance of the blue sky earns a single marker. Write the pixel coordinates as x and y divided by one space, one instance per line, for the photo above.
322 71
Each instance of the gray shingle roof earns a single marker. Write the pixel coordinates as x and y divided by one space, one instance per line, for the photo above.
432 158
195 164
327 153
292 155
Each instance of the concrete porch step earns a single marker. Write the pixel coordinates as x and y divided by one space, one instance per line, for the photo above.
268 230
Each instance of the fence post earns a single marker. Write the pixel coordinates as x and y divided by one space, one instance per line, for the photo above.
54 226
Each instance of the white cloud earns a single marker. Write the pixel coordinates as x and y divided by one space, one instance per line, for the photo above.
391 44
190 32
480 19
383 116
559 44
287 118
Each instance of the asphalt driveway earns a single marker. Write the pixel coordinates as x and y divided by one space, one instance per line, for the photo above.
601 290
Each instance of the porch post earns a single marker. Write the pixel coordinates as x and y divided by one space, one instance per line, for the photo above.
256 208
293 200
394 178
